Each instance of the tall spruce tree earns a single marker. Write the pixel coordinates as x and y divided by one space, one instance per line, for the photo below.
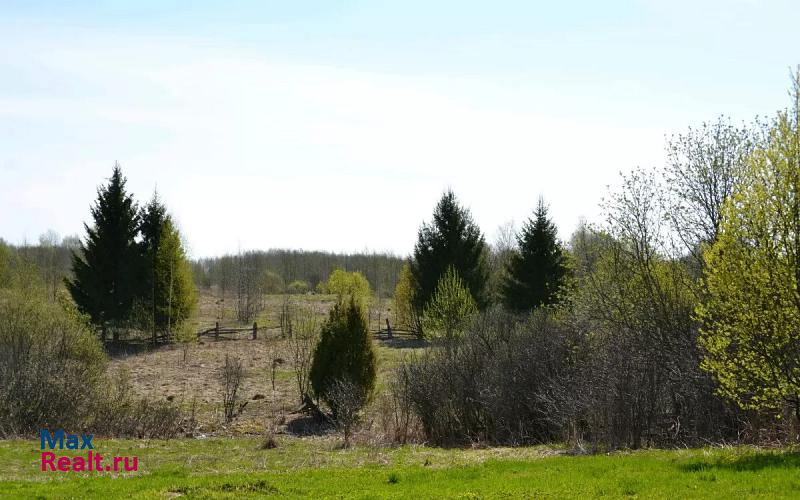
451 239
167 294
536 271
153 216
105 279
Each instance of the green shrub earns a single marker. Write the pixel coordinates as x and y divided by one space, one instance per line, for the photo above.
344 353
50 365
298 287
271 282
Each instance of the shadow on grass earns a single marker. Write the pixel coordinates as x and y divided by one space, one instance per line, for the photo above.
402 342
749 462
306 425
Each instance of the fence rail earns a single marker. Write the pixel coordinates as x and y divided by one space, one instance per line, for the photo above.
217 330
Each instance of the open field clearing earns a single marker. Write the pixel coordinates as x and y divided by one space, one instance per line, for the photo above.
319 468
163 373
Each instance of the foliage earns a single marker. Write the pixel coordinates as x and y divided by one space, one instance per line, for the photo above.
298 287
271 282
451 239
174 278
105 282
536 271
347 285
450 310
50 365
633 300
344 352
313 267
405 315
168 294
751 318
5 264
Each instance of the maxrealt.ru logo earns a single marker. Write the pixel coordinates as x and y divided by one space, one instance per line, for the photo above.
91 461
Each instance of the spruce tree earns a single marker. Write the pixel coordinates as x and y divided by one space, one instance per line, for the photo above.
104 280
167 294
451 239
536 271
344 354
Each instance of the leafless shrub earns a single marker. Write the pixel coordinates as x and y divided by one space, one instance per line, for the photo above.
348 399
231 376
119 412
286 317
249 289
396 415
301 346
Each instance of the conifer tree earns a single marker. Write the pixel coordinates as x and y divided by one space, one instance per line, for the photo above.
451 239
105 279
344 354
536 271
168 293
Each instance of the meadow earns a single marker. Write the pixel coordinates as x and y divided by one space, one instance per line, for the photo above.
321 468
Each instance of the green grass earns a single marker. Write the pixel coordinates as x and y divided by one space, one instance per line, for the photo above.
317 468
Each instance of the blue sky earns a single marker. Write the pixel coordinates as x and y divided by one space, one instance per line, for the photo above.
337 125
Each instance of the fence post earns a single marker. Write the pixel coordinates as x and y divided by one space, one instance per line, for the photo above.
216 331
255 330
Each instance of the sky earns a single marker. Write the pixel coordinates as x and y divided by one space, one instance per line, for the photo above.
337 125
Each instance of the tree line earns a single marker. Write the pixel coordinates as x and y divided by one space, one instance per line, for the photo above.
297 271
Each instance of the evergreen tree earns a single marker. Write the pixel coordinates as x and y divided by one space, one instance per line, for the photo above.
536 271
451 239
344 354
168 293
105 280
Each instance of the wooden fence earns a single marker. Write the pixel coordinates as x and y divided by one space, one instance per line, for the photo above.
217 330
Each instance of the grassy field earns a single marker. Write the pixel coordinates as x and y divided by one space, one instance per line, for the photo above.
319 468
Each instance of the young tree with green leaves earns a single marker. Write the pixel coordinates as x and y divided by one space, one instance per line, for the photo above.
345 284
105 279
451 239
451 309
344 353
536 271
751 315
405 315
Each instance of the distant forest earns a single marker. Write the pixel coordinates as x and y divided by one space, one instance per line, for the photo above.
50 257
310 267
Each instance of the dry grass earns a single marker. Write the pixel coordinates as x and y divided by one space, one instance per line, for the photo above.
162 373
